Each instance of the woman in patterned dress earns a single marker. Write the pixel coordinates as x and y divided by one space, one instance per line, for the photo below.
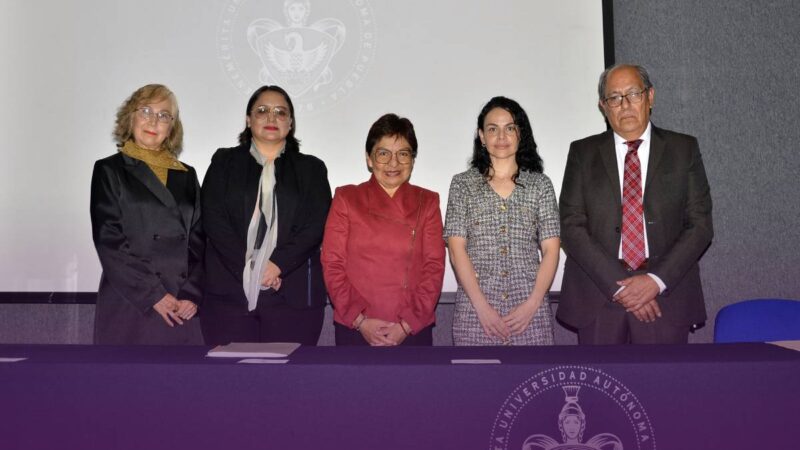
500 214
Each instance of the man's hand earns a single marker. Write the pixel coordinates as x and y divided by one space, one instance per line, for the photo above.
648 312
637 291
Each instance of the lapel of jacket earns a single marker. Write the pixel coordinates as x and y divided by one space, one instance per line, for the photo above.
609 156
141 172
657 148
403 208
246 171
184 192
286 192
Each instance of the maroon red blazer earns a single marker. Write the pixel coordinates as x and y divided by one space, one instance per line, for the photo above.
384 256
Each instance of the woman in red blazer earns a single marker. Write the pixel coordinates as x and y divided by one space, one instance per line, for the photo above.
382 252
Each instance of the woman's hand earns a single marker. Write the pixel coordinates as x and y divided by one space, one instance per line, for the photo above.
376 331
166 308
493 325
272 276
397 334
521 316
186 309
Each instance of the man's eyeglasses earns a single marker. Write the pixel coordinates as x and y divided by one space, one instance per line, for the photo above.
615 101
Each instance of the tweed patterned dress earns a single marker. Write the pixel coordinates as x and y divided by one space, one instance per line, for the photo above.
503 238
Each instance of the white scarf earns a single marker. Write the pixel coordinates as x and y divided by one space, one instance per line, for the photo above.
255 260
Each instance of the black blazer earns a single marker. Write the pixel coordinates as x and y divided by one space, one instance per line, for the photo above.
677 210
230 189
150 242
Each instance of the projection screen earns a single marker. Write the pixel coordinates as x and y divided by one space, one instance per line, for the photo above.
68 65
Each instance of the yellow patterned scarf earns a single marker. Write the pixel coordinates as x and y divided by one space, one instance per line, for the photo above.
159 161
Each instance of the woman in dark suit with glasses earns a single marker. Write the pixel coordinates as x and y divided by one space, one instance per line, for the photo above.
145 210
267 205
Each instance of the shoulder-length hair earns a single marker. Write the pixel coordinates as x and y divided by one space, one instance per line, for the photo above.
527 157
246 136
152 93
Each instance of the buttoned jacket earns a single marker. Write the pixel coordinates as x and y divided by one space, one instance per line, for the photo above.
150 243
677 212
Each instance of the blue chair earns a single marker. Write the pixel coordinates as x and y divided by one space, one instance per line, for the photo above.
761 320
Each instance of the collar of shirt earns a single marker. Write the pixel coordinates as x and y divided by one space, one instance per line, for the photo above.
258 157
643 153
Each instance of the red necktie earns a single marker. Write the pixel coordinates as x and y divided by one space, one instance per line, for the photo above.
632 221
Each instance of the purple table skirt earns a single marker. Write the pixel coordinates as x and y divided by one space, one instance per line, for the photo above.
728 396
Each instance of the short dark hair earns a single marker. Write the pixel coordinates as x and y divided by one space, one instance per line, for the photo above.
391 125
246 136
643 75
528 159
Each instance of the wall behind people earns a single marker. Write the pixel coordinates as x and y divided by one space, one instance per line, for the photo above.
728 74
68 65
724 72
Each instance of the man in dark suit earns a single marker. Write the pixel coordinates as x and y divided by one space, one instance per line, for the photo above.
635 219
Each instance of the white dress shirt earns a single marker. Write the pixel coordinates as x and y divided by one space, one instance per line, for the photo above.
643 153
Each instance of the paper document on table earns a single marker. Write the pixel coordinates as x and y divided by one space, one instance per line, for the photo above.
262 361
791 345
254 350
2 360
475 361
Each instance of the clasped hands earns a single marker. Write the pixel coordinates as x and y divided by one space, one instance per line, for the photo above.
271 277
175 311
380 333
637 295
513 323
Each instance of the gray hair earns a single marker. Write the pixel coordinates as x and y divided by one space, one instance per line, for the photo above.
643 75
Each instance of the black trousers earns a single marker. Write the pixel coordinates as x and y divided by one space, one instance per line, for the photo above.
614 325
224 321
348 336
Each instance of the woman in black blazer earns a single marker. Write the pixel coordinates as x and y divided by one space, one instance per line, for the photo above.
145 210
266 209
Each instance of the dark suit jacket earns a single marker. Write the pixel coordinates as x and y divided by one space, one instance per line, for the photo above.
303 194
677 210
150 243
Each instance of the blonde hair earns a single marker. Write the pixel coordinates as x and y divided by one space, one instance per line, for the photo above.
123 129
